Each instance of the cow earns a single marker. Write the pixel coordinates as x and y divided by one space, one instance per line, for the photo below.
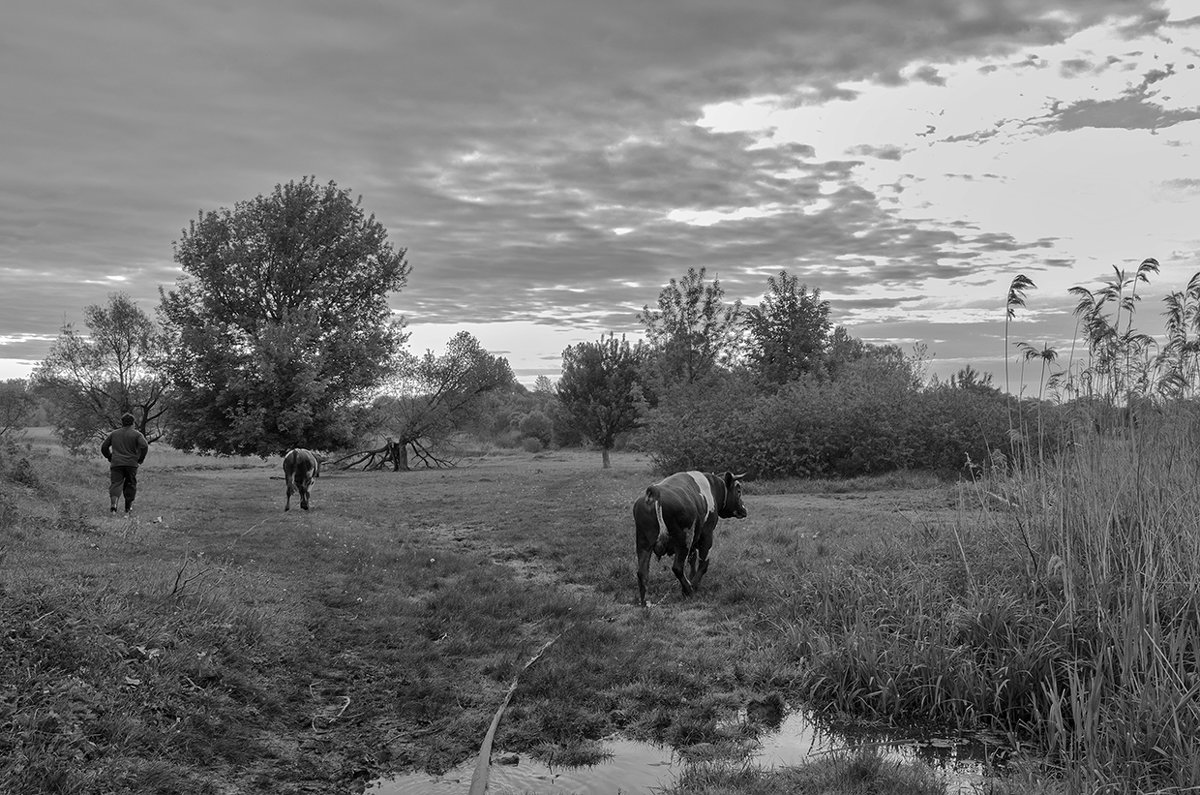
676 516
300 467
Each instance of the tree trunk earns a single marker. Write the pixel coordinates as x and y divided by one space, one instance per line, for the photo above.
399 457
604 457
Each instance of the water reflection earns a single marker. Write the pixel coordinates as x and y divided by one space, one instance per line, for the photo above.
636 768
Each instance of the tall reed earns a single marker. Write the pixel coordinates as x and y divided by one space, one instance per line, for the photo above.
1064 607
1110 531
1111 527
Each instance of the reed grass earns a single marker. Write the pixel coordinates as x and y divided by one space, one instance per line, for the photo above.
1061 610
863 772
1112 544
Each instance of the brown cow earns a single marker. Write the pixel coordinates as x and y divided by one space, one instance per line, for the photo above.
300 467
676 516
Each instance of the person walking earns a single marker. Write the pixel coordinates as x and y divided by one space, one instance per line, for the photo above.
125 448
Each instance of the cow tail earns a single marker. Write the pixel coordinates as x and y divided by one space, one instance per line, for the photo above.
660 545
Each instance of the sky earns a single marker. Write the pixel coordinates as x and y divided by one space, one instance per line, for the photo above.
549 165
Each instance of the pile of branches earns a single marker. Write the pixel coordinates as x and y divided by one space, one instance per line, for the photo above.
393 455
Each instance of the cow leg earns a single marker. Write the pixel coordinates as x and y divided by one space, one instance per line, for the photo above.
677 567
304 497
699 532
699 557
287 504
643 574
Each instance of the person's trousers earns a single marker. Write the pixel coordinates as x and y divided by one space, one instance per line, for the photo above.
122 481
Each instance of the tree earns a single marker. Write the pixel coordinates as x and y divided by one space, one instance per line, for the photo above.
434 397
281 321
92 379
694 330
17 405
600 389
788 331
845 350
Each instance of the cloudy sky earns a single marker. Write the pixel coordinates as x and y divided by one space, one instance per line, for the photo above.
551 164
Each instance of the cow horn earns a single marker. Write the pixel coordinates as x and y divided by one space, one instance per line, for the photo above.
739 477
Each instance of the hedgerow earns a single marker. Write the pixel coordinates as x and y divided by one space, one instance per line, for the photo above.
873 419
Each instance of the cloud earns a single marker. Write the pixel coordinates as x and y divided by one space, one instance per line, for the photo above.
882 152
538 157
929 74
1127 113
1074 67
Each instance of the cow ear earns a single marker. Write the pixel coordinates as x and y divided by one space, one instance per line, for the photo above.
729 479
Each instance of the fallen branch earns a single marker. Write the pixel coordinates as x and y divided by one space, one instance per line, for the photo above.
363 456
392 455
480 779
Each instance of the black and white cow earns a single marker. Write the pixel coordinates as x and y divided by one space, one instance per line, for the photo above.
676 516
300 467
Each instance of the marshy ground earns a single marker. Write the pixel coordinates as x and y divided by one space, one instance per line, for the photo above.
211 643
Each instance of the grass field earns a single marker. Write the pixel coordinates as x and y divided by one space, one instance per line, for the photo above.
211 643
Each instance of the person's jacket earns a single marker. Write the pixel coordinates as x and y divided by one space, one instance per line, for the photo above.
125 447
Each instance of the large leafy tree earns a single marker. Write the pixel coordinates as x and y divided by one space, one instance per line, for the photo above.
91 379
693 331
280 321
433 397
788 332
601 391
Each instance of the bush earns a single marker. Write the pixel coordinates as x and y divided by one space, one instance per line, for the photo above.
509 439
948 425
695 429
22 471
537 425
871 420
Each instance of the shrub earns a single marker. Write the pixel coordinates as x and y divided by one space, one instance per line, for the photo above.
537 425
870 421
22 471
510 438
946 425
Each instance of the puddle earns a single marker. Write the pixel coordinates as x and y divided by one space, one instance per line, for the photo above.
634 768
638 768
